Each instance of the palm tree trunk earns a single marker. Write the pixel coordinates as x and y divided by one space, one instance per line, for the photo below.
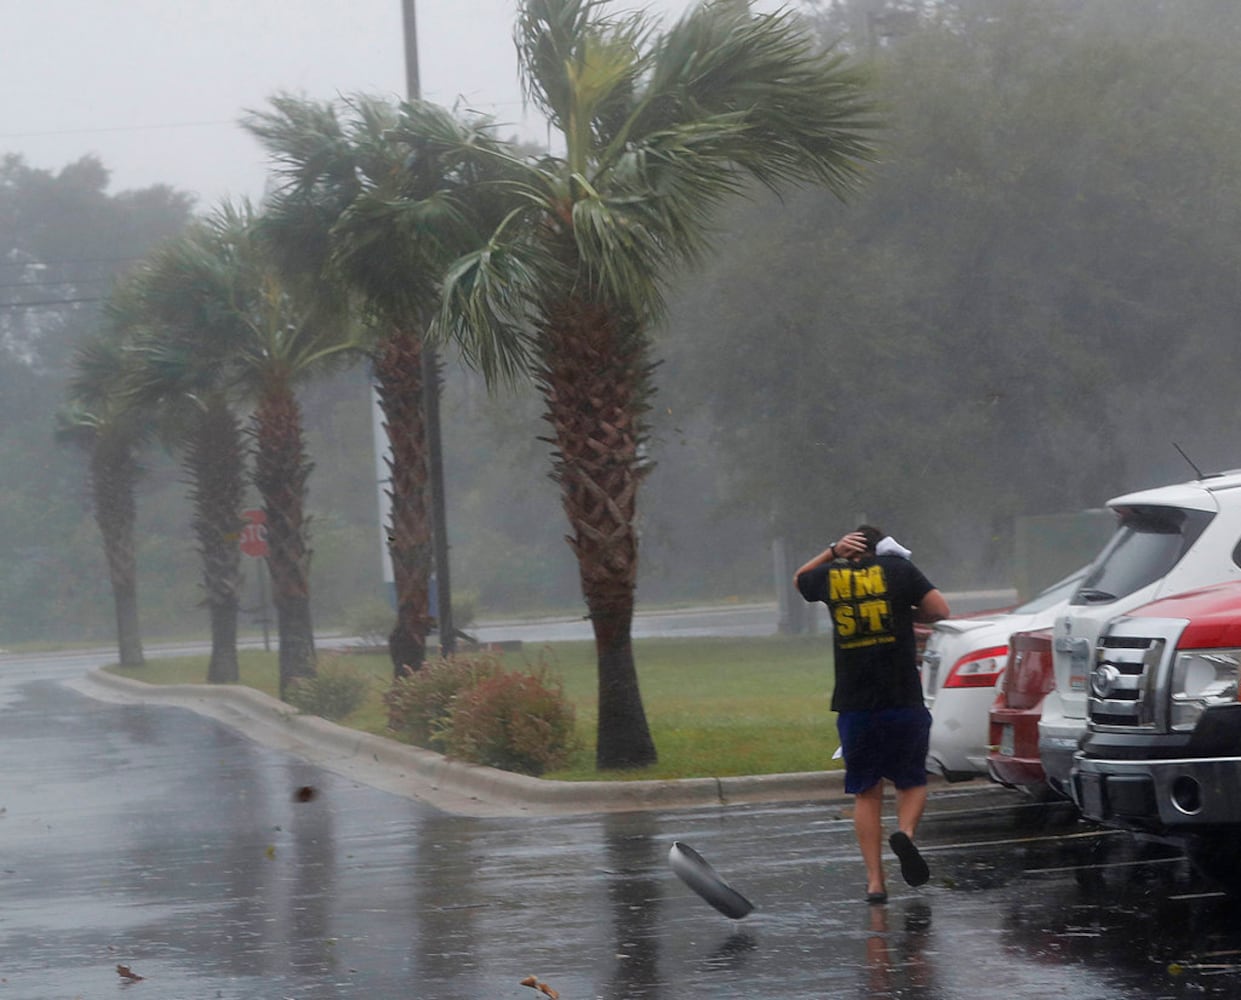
281 470
398 374
114 473
594 377
214 467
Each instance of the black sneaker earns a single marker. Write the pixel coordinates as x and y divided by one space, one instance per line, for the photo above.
913 867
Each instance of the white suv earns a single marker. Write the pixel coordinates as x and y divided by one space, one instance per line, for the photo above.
1168 541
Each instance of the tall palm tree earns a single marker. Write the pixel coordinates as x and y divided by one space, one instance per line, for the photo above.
111 432
373 199
220 300
196 417
657 130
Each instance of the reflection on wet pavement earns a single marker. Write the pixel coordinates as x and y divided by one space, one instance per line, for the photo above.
151 838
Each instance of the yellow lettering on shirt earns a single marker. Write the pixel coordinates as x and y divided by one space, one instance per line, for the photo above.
860 608
869 581
875 614
840 584
846 624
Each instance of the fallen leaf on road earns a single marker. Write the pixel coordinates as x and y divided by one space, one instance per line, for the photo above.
125 972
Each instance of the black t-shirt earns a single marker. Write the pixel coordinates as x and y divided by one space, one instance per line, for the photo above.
871 603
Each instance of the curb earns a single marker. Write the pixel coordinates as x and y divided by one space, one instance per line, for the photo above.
451 785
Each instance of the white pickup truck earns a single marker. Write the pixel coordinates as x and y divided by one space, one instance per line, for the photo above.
1168 540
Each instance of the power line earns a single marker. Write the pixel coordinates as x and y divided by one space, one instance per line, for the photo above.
111 128
67 260
49 302
64 281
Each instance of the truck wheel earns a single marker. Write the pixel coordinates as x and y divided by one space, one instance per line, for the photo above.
1219 860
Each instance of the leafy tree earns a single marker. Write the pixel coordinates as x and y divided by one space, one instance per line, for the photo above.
63 239
1013 317
657 131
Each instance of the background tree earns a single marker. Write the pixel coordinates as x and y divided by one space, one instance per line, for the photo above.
1007 306
1031 299
63 240
189 395
375 203
111 432
224 302
657 130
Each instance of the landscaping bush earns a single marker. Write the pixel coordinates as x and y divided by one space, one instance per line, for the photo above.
514 721
470 708
333 693
419 703
371 621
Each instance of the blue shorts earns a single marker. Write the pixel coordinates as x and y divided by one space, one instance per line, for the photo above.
886 743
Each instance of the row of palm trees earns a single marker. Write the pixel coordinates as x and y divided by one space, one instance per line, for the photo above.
394 227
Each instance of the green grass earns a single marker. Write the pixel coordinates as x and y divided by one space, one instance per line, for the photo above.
716 707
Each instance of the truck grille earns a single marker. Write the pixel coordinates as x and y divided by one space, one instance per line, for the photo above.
1122 684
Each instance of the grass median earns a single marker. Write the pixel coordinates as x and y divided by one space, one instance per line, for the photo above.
716 707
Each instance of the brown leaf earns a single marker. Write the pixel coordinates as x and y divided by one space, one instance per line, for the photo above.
544 988
530 981
125 972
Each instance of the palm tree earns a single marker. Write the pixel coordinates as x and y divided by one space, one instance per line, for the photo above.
195 416
657 131
220 301
112 433
375 202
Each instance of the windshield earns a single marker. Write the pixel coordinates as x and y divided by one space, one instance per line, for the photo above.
1057 592
1148 543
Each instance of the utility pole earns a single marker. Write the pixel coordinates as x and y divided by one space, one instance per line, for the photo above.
431 398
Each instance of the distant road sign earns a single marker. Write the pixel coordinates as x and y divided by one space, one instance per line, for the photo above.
254 533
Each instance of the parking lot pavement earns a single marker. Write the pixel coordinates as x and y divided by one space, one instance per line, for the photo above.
152 837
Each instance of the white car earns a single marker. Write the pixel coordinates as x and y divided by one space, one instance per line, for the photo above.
962 665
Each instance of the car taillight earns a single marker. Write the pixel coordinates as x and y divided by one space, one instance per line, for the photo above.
978 670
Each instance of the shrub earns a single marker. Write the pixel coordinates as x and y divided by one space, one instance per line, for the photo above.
469 707
514 721
332 693
419 703
464 608
371 621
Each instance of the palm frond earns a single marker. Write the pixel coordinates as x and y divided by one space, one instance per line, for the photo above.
305 140
485 306
98 366
577 64
807 112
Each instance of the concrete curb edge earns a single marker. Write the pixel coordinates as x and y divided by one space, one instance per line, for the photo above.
454 786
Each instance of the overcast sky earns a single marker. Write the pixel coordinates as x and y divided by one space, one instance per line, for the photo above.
154 88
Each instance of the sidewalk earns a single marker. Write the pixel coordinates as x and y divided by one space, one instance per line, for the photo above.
453 786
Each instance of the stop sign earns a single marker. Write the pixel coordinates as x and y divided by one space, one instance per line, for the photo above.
254 533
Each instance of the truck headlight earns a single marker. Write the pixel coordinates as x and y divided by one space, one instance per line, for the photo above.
1201 678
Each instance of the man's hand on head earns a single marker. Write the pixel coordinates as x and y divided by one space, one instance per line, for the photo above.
851 545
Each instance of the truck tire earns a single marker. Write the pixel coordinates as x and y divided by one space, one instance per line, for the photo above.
1218 858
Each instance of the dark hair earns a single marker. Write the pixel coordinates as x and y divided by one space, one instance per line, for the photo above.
872 535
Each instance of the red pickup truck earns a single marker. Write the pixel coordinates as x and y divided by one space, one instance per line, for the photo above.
1162 751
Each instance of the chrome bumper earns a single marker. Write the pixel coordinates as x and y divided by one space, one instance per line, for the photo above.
1189 792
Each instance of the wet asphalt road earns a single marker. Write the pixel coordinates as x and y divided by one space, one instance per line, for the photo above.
152 838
